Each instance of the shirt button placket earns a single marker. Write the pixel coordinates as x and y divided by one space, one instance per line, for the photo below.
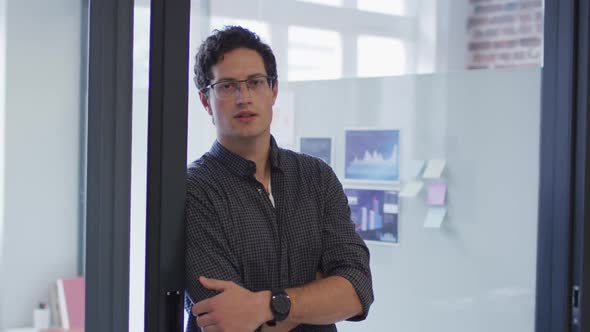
284 264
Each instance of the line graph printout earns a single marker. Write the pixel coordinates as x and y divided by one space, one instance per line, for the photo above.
372 155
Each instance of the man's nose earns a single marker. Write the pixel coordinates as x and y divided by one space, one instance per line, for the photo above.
242 91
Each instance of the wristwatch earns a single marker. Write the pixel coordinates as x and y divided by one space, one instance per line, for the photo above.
280 306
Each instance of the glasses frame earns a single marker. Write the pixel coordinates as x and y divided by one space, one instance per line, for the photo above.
211 87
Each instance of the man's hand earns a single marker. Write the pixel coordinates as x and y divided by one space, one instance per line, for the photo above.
235 309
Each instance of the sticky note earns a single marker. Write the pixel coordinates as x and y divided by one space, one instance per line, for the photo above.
411 189
415 168
435 217
437 193
434 168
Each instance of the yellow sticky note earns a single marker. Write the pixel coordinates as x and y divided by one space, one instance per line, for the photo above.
434 169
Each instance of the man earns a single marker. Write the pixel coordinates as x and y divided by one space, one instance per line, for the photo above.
270 243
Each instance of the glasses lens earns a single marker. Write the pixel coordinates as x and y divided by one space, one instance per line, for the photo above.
257 83
226 89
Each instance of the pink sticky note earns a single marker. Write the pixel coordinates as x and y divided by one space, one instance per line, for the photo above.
437 193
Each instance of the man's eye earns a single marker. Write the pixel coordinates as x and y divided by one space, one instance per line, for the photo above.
226 86
256 81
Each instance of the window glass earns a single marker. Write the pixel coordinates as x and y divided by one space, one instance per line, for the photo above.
334 3
391 7
380 56
261 28
137 239
314 54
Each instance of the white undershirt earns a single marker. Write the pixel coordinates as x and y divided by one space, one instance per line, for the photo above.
272 200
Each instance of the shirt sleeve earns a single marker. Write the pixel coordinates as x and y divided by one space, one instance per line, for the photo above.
208 252
344 252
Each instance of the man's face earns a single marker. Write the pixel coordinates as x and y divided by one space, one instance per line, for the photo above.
246 112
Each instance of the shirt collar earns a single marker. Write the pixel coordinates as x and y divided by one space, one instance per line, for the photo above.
241 166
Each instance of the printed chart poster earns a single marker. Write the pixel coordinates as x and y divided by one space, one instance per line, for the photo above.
375 214
372 155
320 147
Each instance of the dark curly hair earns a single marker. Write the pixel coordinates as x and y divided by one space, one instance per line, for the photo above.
225 40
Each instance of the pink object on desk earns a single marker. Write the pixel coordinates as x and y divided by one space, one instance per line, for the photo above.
437 193
71 302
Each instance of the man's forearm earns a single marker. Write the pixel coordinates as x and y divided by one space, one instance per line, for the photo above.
324 301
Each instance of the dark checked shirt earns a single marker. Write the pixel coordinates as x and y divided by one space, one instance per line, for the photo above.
235 233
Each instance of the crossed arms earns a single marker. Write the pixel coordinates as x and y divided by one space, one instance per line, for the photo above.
223 303
324 301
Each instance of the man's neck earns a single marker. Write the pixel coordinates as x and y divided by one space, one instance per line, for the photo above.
255 149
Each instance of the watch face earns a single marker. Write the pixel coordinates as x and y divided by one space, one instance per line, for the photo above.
281 304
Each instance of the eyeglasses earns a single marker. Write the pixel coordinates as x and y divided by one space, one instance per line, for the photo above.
228 89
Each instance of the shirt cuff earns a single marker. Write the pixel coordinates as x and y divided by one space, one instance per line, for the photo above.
362 284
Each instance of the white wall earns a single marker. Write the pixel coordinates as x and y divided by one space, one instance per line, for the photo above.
42 158
477 272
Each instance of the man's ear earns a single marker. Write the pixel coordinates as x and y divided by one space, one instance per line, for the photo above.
205 102
203 97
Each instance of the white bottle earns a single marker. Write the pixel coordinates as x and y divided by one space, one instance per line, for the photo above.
41 316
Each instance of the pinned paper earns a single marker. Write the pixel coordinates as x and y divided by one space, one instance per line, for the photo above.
415 167
283 119
411 189
437 193
434 169
435 217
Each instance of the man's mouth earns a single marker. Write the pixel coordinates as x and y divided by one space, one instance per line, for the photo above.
245 115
